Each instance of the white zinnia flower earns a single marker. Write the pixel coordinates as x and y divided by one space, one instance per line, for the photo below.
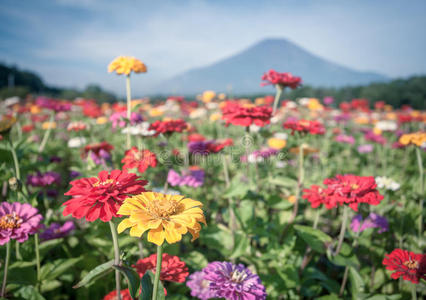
76 142
387 125
139 129
387 183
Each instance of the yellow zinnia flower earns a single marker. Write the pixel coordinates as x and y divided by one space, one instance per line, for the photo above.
276 143
101 120
165 217
126 65
416 138
208 96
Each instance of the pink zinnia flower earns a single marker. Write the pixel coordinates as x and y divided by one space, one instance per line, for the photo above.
17 221
281 79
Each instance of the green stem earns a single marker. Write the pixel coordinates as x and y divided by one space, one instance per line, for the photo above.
279 90
15 161
157 271
300 178
46 133
116 257
345 275
37 251
317 216
345 278
129 110
422 190
342 229
17 252
6 266
140 246
413 291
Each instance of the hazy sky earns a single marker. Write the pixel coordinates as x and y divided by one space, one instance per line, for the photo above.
70 42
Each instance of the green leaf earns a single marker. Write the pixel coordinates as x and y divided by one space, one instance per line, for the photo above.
54 269
147 286
29 293
242 244
329 297
289 275
315 238
47 246
196 260
96 273
47 286
283 181
147 283
133 280
357 284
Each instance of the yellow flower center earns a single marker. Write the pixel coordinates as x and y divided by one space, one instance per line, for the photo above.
10 221
237 276
106 182
163 209
354 186
411 264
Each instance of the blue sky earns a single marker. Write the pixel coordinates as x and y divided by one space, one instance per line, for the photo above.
70 42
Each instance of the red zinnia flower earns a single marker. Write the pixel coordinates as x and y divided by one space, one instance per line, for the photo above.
125 295
172 268
27 128
217 146
352 190
92 110
141 159
317 195
304 126
281 79
96 148
245 115
411 266
196 137
168 126
101 197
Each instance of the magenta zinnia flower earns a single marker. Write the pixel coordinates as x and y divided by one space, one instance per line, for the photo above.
17 221
233 282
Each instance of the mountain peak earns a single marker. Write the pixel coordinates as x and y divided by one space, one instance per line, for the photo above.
242 71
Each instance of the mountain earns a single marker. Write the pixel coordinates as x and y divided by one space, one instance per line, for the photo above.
242 71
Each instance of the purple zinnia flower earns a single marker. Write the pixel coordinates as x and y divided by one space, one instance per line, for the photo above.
347 139
372 221
200 148
101 158
55 159
44 179
259 155
199 286
56 230
367 148
118 119
17 221
344 117
233 282
195 178
74 174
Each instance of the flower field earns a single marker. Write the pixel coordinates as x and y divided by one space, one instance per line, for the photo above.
211 198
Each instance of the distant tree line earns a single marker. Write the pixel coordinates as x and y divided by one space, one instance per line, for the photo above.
15 82
411 91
